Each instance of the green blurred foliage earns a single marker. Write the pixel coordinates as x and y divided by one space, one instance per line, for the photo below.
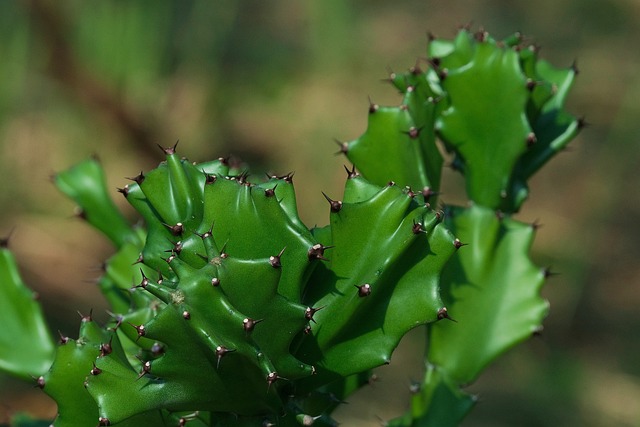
272 83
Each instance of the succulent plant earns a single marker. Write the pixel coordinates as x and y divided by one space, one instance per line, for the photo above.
228 310
498 110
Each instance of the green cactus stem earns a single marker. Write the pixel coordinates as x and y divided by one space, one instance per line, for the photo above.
26 348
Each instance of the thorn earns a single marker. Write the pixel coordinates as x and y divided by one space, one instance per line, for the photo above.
86 319
124 190
531 139
481 35
344 147
288 178
222 351
536 224
103 421
169 150
336 205
309 312
444 314
351 173
78 212
144 282
364 290
307 330
157 349
582 123
140 259
249 324
531 84
215 282
176 230
138 179
458 244
427 193
442 74
95 370
548 273
177 247
417 227
317 252
186 315
140 329
574 67
430 36
415 69
40 382
206 234
413 132
4 241
274 260
373 107
270 192
209 178
63 339
106 348
146 368
537 332
272 377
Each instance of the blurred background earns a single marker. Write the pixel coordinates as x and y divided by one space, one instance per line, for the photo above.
272 84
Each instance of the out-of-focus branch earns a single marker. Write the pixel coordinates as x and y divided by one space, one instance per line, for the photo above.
63 66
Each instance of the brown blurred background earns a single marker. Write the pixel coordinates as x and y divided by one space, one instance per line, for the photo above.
273 83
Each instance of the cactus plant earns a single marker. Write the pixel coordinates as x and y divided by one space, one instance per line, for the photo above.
227 310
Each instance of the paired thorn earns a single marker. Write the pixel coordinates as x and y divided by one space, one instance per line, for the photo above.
458 244
417 227
140 329
138 179
176 230
106 348
146 368
222 351
124 190
63 339
40 382
95 370
547 272
444 314
344 147
364 290
169 150
351 173
427 193
373 107
413 132
270 192
317 252
248 324
87 318
310 311
275 261
336 205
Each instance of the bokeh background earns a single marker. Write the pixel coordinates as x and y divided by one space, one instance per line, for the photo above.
273 83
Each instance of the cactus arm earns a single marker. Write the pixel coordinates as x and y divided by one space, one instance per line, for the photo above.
85 184
394 146
485 122
492 292
26 347
437 403
356 330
